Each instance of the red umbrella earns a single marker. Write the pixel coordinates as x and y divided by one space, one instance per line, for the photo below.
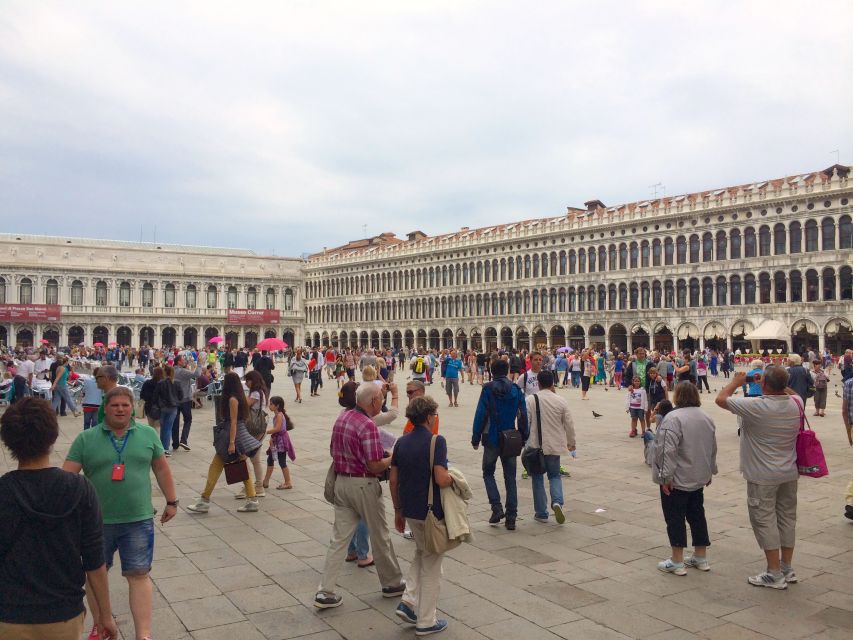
215 340
98 344
271 344
113 344
43 341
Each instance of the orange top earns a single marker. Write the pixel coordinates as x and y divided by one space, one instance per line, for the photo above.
409 427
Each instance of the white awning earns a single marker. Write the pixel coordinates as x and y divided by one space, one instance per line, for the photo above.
834 326
686 331
769 330
805 325
715 330
742 327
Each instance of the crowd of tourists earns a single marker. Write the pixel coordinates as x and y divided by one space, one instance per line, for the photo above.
519 417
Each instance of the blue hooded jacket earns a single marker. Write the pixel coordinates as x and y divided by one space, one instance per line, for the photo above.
501 403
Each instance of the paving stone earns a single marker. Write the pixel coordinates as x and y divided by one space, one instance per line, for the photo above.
288 622
473 610
188 587
242 630
209 612
237 577
630 622
515 628
263 598
587 630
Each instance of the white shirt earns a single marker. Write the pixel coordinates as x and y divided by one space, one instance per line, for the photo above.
529 386
26 368
42 366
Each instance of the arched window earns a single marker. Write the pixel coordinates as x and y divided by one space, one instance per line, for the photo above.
535 301
147 294
811 235
553 265
535 265
735 244
694 248
611 297
681 293
828 232
231 297
51 292
623 296
602 298
562 265
694 292
668 250
736 289
812 286
829 283
252 298
780 287
591 255
707 247
796 286
722 289
722 245
611 258
779 239
668 295
572 299
572 261
656 253
169 295
562 300
749 289
25 291
846 277
681 250
764 288
2 290
602 259
288 299
623 256
190 296
764 240
552 298
77 293
581 261
581 298
749 248
212 297
845 232
526 267
644 253
707 292
270 298
796 230
101 294
633 296
635 255
657 295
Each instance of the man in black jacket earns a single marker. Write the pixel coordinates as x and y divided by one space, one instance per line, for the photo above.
264 365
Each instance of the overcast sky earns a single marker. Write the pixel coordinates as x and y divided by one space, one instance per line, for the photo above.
286 126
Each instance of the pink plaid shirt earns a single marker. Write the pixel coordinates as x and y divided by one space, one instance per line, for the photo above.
355 441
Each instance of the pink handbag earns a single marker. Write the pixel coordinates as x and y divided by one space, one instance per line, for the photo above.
810 459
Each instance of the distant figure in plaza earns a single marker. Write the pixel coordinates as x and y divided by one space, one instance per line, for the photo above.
92 398
768 460
411 475
528 381
799 379
258 399
683 458
637 404
233 411
847 417
752 383
454 370
146 394
298 370
167 395
264 366
51 536
280 444
550 412
118 457
187 372
821 387
358 457
501 407
59 388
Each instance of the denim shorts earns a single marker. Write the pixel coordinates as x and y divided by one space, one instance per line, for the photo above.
134 542
638 413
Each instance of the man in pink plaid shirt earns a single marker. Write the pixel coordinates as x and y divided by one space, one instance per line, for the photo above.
359 458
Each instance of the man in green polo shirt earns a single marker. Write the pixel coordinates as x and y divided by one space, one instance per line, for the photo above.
117 457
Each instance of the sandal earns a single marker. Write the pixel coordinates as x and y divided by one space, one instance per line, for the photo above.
351 557
366 563
284 486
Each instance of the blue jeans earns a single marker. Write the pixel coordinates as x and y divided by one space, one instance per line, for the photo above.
490 462
167 419
90 419
576 379
134 542
360 543
555 484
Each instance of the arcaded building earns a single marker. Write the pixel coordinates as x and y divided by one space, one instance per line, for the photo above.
73 290
766 264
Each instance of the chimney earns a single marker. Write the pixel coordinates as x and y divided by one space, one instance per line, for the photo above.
416 235
592 205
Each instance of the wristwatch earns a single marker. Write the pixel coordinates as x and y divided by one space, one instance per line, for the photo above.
173 503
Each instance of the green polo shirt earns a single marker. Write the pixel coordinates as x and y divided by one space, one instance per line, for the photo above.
127 500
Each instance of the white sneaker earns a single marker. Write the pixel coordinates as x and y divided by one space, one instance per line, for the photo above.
697 562
668 566
767 579
199 506
790 576
250 507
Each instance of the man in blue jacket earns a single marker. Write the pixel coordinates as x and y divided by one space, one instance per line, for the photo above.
501 407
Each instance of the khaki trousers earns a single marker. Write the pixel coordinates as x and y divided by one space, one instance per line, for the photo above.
423 581
67 630
357 498
773 513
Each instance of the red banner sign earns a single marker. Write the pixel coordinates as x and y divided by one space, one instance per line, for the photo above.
30 312
254 316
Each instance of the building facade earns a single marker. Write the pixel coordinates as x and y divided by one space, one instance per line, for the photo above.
146 294
702 269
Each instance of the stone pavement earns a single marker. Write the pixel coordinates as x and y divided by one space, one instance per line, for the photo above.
253 576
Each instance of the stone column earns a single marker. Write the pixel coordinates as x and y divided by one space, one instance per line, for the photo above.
821 343
242 339
701 343
630 343
787 290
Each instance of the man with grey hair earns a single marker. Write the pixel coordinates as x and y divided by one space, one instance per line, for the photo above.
358 459
768 461
184 378
107 379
